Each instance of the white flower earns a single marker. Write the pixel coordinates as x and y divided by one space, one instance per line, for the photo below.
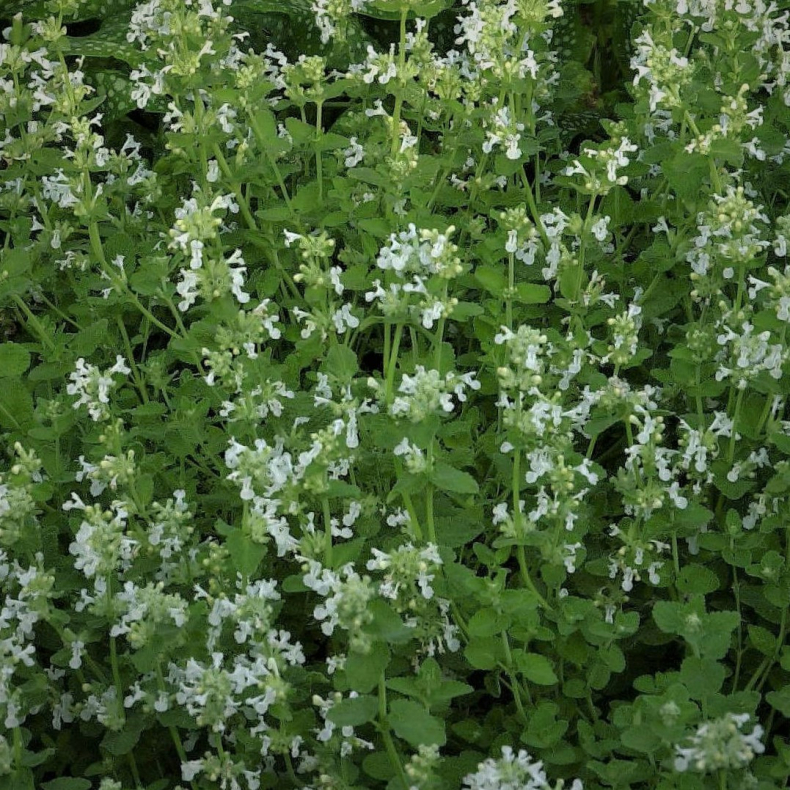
512 772
720 745
93 386
354 154
344 319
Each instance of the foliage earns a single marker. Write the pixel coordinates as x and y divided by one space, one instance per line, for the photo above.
394 394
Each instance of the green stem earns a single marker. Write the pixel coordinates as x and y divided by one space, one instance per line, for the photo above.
327 532
240 198
399 96
175 737
527 579
289 767
533 208
58 311
139 379
259 136
384 728
779 644
407 500
714 174
630 434
10 417
513 678
769 399
736 588
582 249
392 362
319 165
511 283
756 675
133 767
429 500
116 673
34 322
200 138
98 251
17 751
738 403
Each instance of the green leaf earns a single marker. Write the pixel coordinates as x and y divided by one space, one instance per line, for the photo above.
458 530
66 783
354 711
415 725
569 280
487 622
532 293
668 616
16 405
446 478
641 738
701 676
341 362
329 141
123 741
543 729
492 278
464 310
685 173
718 633
482 653
245 554
780 700
694 516
363 670
697 578
387 624
14 359
536 668
376 226
762 639
378 766
300 131
449 689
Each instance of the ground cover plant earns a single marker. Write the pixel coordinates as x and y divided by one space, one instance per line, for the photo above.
393 394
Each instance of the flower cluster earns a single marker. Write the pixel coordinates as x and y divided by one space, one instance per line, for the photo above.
720 744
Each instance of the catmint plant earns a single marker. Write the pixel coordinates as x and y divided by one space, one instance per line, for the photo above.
392 395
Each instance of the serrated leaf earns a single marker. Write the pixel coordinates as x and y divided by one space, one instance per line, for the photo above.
123 741
762 639
386 624
341 362
447 478
354 711
66 783
532 293
640 738
780 700
300 131
14 359
16 405
487 622
701 676
668 617
536 668
697 578
363 670
492 278
411 722
482 653
245 554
